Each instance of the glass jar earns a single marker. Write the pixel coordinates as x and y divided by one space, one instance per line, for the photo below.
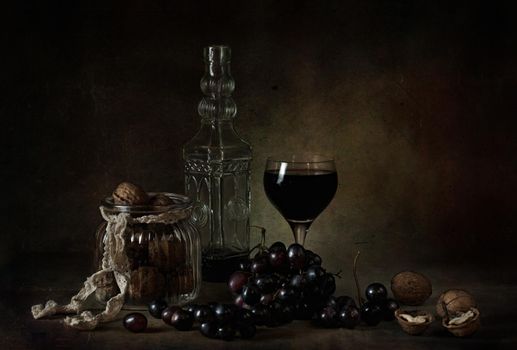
217 172
162 248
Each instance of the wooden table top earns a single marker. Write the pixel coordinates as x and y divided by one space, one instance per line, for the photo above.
496 300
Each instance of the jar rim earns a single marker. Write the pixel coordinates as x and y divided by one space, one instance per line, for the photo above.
179 202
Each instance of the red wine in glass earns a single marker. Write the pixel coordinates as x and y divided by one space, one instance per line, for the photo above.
300 187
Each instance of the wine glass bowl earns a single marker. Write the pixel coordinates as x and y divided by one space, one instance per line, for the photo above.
300 186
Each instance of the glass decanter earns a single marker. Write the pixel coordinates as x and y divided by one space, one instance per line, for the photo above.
217 172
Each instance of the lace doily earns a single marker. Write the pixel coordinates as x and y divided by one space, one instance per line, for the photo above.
114 261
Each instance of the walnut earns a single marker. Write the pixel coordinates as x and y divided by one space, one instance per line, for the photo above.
147 283
186 280
413 322
106 286
167 253
180 281
411 288
127 193
136 247
455 300
161 200
156 255
177 251
463 323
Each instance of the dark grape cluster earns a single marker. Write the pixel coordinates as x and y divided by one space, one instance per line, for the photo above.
281 284
214 320
378 306
278 285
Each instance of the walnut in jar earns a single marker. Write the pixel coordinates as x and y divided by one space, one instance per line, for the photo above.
147 283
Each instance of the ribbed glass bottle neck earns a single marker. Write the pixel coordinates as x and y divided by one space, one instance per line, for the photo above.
217 85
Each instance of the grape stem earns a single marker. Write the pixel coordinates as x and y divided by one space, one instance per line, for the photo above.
262 245
359 299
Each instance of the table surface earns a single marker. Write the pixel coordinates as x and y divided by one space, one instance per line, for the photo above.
496 296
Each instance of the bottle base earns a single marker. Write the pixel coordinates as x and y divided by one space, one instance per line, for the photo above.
220 269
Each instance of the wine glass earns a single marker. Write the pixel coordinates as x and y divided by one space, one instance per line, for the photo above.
300 186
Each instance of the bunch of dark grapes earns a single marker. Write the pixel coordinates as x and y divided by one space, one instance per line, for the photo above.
378 306
277 286
214 320
283 284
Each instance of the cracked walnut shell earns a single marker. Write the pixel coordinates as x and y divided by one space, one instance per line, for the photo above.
455 300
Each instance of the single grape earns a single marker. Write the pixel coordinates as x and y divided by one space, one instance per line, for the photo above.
182 320
278 260
237 280
191 308
376 292
224 313
251 294
168 312
277 246
283 281
327 317
259 265
316 260
266 299
296 256
247 331
261 314
332 302
327 284
156 307
288 295
349 317
266 283
311 258
239 301
298 282
371 313
314 273
245 265
225 332
204 314
389 307
135 322
261 254
208 329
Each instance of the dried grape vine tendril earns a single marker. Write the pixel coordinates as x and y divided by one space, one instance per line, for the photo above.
359 299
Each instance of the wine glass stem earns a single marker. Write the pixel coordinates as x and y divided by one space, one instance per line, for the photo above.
300 231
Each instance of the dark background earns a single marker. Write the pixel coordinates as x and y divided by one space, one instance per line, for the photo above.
415 99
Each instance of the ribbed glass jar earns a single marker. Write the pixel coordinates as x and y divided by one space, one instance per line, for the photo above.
164 255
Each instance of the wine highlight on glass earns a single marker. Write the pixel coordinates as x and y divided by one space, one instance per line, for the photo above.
300 186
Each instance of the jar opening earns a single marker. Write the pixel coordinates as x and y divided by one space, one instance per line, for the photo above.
178 202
